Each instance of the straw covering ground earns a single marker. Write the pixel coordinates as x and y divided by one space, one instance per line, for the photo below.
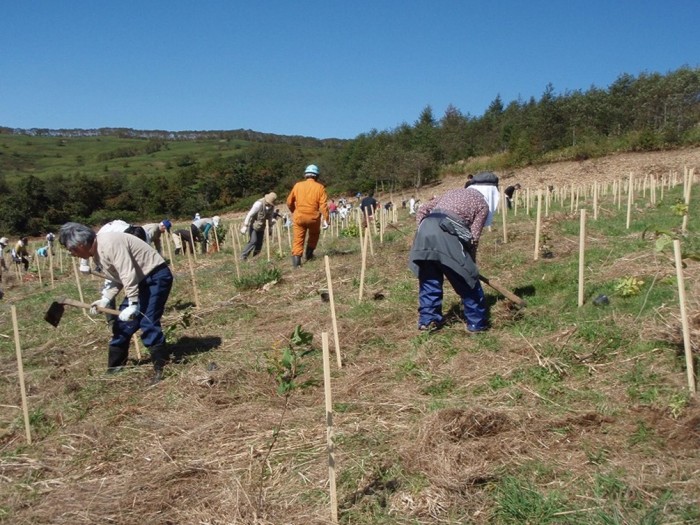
558 414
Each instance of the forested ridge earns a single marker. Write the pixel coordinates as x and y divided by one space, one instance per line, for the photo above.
48 177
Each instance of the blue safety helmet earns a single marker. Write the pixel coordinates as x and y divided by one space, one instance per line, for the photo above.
311 171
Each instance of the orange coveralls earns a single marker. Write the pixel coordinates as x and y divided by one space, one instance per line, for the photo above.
308 201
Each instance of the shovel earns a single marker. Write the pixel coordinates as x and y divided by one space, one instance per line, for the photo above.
55 312
503 291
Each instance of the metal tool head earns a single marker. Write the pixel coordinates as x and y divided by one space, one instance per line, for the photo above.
54 313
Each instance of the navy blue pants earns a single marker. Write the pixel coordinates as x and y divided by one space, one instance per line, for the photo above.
431 277
154 290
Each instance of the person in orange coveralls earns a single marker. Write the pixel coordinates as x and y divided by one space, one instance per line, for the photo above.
308 202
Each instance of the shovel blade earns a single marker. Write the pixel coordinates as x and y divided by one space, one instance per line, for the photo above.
54 313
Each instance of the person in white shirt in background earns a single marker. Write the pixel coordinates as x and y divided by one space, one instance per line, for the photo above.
259 218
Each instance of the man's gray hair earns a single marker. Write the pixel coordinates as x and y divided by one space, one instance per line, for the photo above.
73 234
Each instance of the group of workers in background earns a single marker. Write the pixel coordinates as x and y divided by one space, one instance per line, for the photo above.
445 245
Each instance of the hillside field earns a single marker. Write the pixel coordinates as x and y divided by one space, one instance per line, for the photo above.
559 414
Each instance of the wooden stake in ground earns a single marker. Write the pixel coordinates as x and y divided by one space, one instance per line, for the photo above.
51 266
503 217
684 317
38 269
216 239
137 347
20 373
362 267
595 200
77 281
267 241
329 427
689 185
333 317
235 253
369 232
18 273
630 192
168 242
538 225
278 227
192 277
581 255
360 232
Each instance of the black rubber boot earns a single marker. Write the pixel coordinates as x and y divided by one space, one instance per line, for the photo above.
309 253
116 359
159 356
296 261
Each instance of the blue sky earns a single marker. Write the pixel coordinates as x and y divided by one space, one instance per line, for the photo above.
317 68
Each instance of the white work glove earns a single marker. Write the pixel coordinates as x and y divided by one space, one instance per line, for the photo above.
84 266
325 225
130 312
244 229
100 303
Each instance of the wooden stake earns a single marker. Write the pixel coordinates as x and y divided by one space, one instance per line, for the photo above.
278 227
137 348
216 239
51 266
689 185
329 427
235 252
684 317
362 267
194 281
168 242
630 192
38 268
238 242
194 250
329 282
504 205
538 225
368 232
581 255
267 242
20 373
595 200
77 281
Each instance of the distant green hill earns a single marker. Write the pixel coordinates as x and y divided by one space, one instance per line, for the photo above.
48 177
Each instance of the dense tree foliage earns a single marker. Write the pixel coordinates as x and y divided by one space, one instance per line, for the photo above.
647 112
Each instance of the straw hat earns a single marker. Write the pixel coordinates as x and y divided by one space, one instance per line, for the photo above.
270 197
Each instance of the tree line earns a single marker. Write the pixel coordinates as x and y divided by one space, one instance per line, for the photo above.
650 111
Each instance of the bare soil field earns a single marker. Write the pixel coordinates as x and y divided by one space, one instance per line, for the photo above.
427 428
605 169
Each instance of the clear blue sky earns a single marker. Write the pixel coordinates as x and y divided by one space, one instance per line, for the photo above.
317 68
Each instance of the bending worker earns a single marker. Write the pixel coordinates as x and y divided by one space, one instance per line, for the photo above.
132 265
154 231
308 202
200 230
449 228
260 216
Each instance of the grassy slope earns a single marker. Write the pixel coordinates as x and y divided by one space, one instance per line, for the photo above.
46 156
559 414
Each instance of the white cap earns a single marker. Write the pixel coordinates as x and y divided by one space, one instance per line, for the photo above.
4 241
